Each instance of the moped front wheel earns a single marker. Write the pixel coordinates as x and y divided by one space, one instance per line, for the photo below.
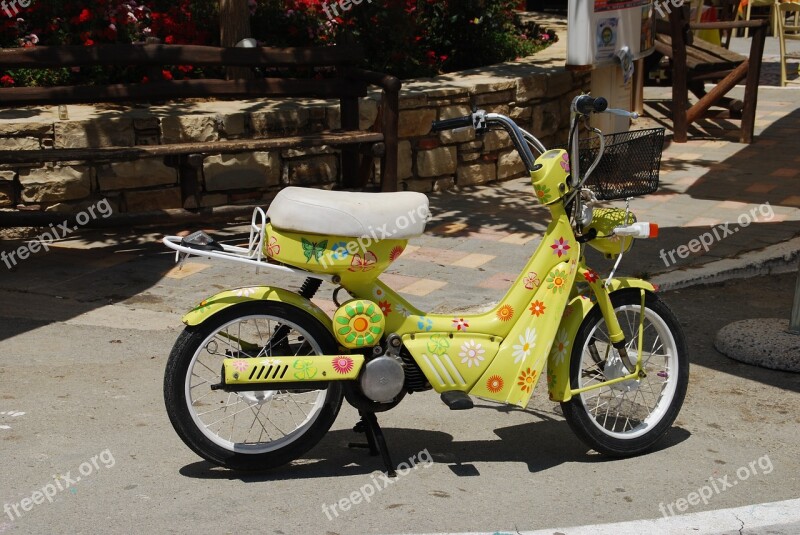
627 418
254 430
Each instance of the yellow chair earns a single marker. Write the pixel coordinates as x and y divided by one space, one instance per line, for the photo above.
745 6
788 31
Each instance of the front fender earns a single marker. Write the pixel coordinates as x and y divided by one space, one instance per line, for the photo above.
575 312
219 302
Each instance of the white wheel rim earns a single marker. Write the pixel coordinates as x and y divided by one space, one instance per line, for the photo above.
258 406
652 394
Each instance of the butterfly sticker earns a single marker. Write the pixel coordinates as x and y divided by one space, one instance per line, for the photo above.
363 264
313 249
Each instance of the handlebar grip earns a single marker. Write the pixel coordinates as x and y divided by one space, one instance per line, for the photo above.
451 124
586 105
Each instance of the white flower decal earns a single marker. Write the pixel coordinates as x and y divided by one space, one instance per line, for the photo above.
560 345
526 344
403 311
471 354
245 292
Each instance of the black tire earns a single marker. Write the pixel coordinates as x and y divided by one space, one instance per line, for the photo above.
666 385
204 341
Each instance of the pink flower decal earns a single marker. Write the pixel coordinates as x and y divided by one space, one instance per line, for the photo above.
532 280
240 365
343 365
565 162
396 252
591 276
460 324
363 264
273 249
560 247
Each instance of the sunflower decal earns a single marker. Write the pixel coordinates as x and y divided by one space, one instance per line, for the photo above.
495 384
556 281
505 313
342 365
526 380
359 324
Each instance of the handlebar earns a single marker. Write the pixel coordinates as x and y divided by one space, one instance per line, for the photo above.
623 113
450 124
584 104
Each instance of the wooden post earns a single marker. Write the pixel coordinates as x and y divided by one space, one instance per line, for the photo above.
680 90
234 25
350 155
794 321
751 87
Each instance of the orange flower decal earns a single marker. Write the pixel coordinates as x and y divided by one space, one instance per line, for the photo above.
505 313
537 308
396 252
495 384
526 380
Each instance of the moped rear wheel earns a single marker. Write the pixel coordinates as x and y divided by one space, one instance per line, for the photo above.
629 417
248 430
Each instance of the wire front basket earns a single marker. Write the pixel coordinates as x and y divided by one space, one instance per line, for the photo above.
629 166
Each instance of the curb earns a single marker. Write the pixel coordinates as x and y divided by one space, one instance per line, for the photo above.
774 259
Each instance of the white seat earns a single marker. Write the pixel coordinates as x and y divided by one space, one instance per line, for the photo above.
354 215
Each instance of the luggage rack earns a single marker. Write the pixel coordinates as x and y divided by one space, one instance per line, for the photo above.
252 255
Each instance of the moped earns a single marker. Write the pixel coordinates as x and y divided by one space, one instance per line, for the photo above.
259 374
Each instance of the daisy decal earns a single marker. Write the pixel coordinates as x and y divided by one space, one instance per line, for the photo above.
556 281
378 293
438 344
342 365
363 264
460 324
403 311
240 365
505 313
591 276
537 308
532 280
560 247
495 384
245 292
339 251
273 249
527 342
386 307
396 252
471 354
542 193
526 380
560 345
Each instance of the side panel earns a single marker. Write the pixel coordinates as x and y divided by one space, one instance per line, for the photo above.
221 301
576 311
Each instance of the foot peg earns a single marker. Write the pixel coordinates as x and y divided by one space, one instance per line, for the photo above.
457 400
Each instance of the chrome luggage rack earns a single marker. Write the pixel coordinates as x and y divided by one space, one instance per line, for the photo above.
252 255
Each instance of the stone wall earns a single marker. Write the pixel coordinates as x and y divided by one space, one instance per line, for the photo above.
535 92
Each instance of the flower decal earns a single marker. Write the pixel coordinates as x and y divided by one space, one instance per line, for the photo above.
565 162
378 293
306 369
560 247
591 276
537 308
526 380
342 365
438 344
505 313
557 281
471 354
532 280
386 307
551 381
363 264
358 324
527 342
460 324
395 253
567 311
403 311
424 324
339 251
560 345
240 365
273 249
245 292
542 193
495 384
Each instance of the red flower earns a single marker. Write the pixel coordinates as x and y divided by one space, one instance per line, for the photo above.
6 81
169 39
166 75
591 275
85 16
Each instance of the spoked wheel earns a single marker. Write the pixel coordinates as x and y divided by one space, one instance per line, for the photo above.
629 417
248 430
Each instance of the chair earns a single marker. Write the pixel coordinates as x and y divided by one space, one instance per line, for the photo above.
744 12
788 31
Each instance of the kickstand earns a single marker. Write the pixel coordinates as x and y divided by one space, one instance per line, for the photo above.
375 440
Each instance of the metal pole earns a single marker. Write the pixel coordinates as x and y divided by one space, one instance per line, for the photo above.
794 322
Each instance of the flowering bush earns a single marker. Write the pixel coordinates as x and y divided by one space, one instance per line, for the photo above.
408 38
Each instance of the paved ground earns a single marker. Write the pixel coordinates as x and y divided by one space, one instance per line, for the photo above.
85 330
